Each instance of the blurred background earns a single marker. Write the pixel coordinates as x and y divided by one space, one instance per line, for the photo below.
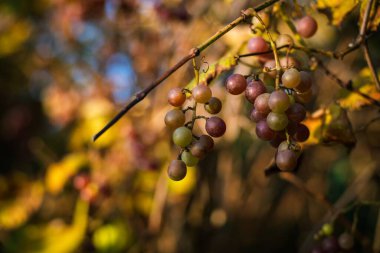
66 68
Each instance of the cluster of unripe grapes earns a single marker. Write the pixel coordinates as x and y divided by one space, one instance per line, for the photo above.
327 242
193 148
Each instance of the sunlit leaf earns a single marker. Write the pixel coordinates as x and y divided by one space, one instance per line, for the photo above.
330 125
363 83
58 173
338 8
16 212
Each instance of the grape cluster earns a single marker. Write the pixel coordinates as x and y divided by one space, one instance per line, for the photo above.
278 112
193 148
327 242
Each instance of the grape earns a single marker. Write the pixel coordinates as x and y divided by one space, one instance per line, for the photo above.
296 112
201 93
327 229
236 84
198 150
278 139
213 106
286 160
176 97
306 82
254 89
177 170
279 101
257 116
346 241
257 45
182 136
284 40
189 159
305 97
207 142
261 103
277 121
330 244
306 26
174 118
291 78
264 132
271 64
283 146
302 133
289 62
215 126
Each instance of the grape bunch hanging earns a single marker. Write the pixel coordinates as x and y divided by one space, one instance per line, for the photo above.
193 148
278 111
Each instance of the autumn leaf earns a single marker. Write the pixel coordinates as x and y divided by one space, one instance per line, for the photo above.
363 83
330 125
338 8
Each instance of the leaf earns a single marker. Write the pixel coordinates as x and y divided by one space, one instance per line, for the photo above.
58 173
363 83
330 125
374 20
338 8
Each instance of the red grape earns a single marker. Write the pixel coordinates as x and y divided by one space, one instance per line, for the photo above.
254 89
257 116
201 93
236 84
296 112
261 103
215 126
264 132
306 26
177 170
176 97
278 101
286 160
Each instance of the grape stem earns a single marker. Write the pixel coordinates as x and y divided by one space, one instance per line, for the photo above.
274 49
138 97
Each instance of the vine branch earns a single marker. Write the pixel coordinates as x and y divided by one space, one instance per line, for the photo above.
137 98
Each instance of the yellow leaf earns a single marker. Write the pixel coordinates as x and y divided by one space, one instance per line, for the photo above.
58 173
339 8
363 83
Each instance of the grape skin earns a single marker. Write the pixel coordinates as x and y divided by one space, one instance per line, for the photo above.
236 84
201 93
182 136
254 89
277 121
215 126
278 101
176 97
177 170
174 118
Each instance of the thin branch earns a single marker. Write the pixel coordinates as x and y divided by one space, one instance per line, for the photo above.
248 13
367 56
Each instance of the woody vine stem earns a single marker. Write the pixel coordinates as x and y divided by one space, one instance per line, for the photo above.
249 13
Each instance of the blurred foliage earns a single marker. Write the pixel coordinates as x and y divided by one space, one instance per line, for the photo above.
66 68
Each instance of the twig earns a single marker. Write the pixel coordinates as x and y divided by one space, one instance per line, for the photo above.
193 53
367 56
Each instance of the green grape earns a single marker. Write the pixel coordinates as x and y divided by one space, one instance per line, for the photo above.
278 101
189 159
177 170
291 78
213 106
182 136
327 229
277 121
174 118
